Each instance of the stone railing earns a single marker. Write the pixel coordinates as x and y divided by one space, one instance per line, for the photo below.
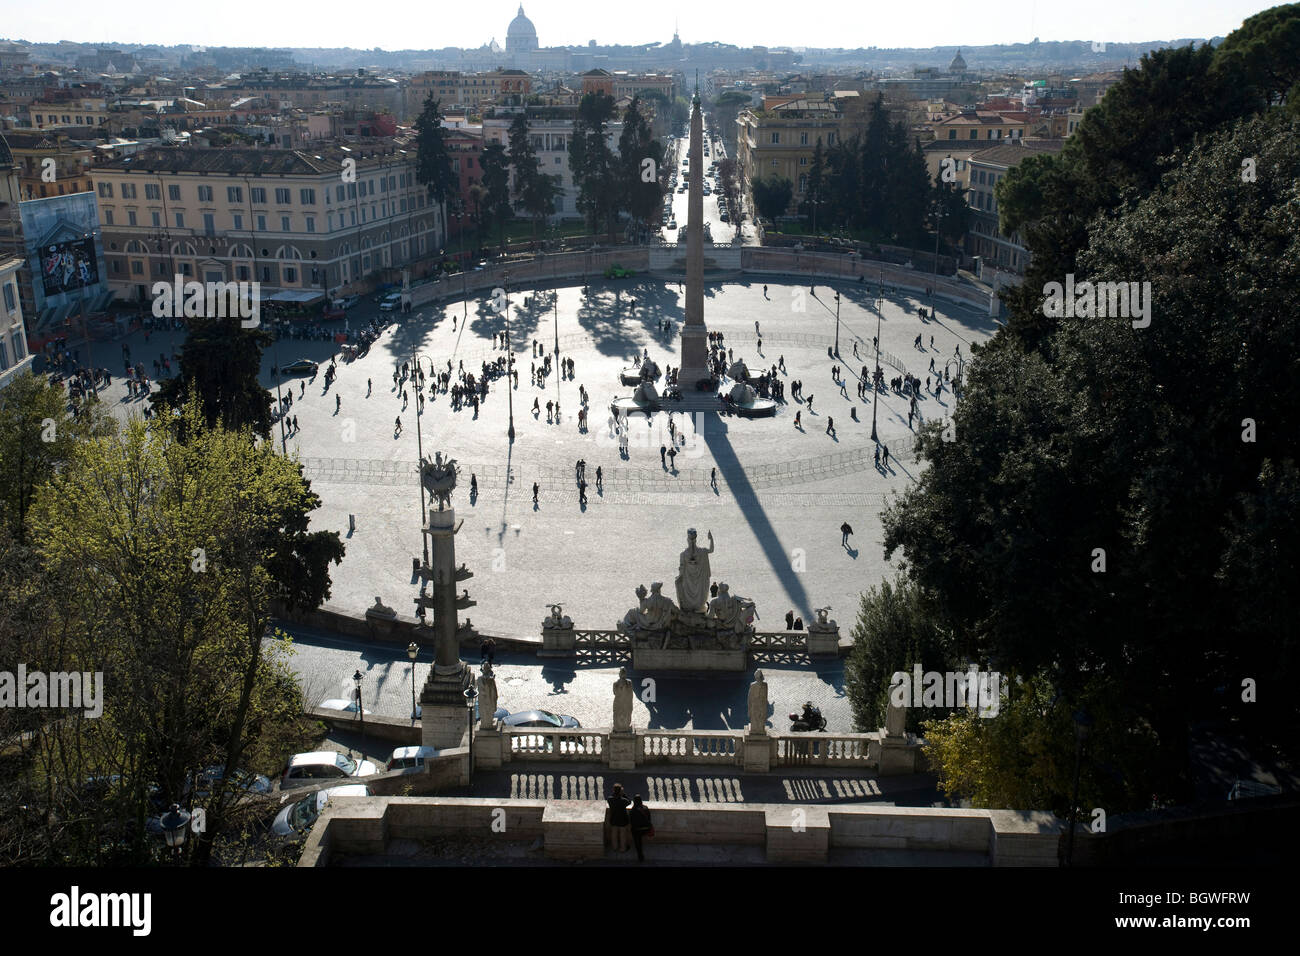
601 639
778 641
719 747
530 743
828 750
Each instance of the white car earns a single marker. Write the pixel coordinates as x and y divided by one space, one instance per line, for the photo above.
323 766
405 758
391 302
338 703
297 819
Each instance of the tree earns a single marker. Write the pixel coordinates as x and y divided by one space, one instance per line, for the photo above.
1264 55
772 196
496 186
642 196
219 367
895 631
815 192
535 191
593 164
169 541
1093 476
433 164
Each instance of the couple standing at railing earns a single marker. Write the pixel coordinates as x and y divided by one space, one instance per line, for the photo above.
628 819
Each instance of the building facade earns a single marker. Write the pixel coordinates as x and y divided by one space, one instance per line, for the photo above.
15 358
327 219
986 169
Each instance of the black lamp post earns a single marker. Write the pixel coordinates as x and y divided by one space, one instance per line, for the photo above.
510 359
470 695
361 712
1082 724
875 388
837 325
413 651
175 824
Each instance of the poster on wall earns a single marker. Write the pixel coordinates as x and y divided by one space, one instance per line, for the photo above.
68 266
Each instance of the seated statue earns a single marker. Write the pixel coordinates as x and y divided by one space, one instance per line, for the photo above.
646 393
732 613
660 610
742 394
634 619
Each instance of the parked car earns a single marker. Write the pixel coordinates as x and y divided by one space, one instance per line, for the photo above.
300 367
391 302
304 770
541 718
209 779
334 310
406 758
339 703
296 820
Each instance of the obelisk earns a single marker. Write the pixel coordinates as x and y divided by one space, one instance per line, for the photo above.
695 350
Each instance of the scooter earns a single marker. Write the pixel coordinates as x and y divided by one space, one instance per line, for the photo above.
810 720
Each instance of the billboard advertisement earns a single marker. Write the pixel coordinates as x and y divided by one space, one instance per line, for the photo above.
68 266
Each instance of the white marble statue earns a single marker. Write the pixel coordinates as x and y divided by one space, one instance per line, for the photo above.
487 698
622 702
693 575
730 612
895 720
758 705
659 610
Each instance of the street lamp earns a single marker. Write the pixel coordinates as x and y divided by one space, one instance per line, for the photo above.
940 215
413 651
361 712
1082 724
510 359
470 695
837 325
419 441
175 824
875 387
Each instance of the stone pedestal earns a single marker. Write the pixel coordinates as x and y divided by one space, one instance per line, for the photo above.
758 752
689 659
442 702
622 750
557 641
489 749
823 641
897 755
797 834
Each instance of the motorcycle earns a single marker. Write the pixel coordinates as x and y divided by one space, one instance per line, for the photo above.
810 720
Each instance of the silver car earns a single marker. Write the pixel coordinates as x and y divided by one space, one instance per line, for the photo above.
323 766
297 819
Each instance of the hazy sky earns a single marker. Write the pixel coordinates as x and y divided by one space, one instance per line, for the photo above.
404 24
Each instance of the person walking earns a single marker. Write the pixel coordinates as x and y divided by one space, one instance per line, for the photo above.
797 419
663 456
885 455
473 485
713 478
830 426
338 403
536 407
808 401
582 492
845 530
877 456
534 492
397 424
600 480
789 620
932 341
619 823
642 827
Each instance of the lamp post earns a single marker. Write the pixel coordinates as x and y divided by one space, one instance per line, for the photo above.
875 388
413 651
940 215
1082 724
361 712
470 695
419 441
175 824
837 325
510 359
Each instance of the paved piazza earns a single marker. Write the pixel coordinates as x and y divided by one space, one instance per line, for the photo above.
782 492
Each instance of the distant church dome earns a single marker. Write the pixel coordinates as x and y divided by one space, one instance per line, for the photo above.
521 35
958 65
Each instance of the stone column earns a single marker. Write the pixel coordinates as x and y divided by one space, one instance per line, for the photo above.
695 352
823 636
442 704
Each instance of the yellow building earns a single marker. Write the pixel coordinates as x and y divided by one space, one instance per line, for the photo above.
48 164
292 220
779 139
985 126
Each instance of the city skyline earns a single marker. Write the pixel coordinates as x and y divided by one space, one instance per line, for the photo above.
844 26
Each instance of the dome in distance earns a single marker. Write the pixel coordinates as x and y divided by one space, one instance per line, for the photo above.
958 65
521 34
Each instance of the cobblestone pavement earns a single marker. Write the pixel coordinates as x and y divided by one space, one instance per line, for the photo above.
781 495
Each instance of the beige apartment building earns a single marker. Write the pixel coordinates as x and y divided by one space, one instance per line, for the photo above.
466 90
88 112
304 220
49 164
779 140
